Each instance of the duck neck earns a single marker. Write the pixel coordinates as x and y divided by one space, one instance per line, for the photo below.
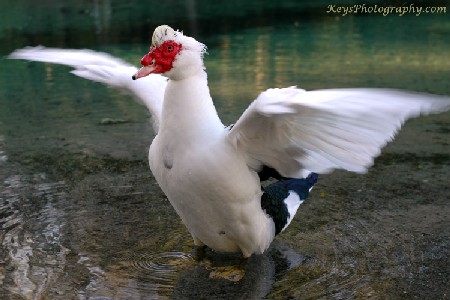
188 111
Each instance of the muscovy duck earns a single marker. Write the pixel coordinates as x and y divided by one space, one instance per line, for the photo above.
212 174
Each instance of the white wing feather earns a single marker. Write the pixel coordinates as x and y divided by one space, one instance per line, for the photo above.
295 131
104 68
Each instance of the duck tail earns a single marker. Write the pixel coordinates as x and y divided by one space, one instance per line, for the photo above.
281 199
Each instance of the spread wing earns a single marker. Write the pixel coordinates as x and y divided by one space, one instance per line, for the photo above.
104 68
296 131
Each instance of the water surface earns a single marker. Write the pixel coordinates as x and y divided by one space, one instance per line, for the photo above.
82 217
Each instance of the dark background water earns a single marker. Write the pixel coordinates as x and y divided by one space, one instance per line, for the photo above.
82 217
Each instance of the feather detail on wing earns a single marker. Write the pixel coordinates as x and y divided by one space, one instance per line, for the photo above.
104 68
295 131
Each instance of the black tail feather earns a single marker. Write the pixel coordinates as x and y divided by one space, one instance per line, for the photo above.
274 196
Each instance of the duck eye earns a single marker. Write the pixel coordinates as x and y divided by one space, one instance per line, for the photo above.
169 48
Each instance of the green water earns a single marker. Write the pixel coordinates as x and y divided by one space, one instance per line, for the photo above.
82 217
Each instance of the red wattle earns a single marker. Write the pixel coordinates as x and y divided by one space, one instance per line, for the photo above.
162 57
146 60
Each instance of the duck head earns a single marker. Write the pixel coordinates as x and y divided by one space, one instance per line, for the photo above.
172 54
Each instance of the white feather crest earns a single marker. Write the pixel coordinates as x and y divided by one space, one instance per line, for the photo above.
165 33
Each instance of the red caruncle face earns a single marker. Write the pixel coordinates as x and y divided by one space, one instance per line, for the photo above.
162 57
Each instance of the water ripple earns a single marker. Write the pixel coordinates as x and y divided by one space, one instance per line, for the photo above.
162 267
31 234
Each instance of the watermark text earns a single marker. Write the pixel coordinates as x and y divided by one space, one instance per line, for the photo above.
384 10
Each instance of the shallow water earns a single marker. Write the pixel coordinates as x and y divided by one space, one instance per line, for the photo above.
82 217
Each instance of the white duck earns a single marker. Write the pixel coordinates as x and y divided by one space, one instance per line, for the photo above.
209 172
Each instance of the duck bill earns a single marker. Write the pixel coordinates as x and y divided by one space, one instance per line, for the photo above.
145 71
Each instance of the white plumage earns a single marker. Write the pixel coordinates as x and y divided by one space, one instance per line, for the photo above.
209 172
297 132
104 68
